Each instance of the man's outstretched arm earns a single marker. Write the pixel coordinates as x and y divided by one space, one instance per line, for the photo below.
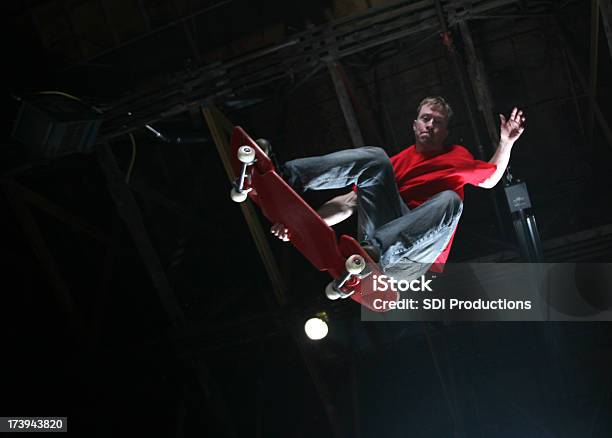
510 131
332 212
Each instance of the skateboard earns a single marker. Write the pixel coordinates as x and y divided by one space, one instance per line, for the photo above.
353 272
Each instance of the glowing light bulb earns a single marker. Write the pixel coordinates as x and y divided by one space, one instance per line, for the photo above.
316 329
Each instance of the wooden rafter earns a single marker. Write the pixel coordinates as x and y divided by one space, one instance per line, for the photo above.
219 125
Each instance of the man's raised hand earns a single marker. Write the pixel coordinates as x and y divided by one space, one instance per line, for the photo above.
511 129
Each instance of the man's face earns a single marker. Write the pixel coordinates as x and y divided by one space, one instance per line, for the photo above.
430 127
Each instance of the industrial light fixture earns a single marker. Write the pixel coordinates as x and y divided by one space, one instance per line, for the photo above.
53 123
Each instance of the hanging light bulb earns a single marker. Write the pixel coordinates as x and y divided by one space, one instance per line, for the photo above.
316 328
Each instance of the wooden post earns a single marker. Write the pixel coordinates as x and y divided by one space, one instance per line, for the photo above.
479 84
345 103
220 128
216 123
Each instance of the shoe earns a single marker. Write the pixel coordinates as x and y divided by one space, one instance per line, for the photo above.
280 168
266 146
372 250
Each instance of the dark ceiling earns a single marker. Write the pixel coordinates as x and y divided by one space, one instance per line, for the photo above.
145 307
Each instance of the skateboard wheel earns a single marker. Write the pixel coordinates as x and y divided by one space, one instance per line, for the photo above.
238 196
355 264
331 292
246 154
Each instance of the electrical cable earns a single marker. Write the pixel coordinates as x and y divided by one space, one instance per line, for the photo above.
61 93
69 96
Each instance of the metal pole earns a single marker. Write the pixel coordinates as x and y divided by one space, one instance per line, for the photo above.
521 236
534 236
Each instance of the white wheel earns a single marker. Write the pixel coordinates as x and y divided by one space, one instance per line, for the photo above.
355 264
331 292
238 196
246 154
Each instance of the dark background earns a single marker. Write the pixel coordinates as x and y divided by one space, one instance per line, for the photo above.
87 333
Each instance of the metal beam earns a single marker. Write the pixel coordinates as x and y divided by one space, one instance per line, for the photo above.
459 68
462 10
570 81
189 34
292 59
483 97
599 116
159 198
68 17
109 22
57 212
129 212
44 255
150 32
336 73
479 83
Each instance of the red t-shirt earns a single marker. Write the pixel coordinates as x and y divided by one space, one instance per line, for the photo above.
421 175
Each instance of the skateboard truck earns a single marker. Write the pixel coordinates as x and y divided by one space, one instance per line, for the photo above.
246 155
355 265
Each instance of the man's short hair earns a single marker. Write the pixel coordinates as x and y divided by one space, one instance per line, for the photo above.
437 101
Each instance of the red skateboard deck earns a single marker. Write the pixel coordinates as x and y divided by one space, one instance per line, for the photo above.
308 233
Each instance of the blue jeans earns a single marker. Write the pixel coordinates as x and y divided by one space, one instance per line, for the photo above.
409 240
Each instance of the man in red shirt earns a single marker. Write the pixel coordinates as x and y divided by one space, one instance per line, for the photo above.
408 205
